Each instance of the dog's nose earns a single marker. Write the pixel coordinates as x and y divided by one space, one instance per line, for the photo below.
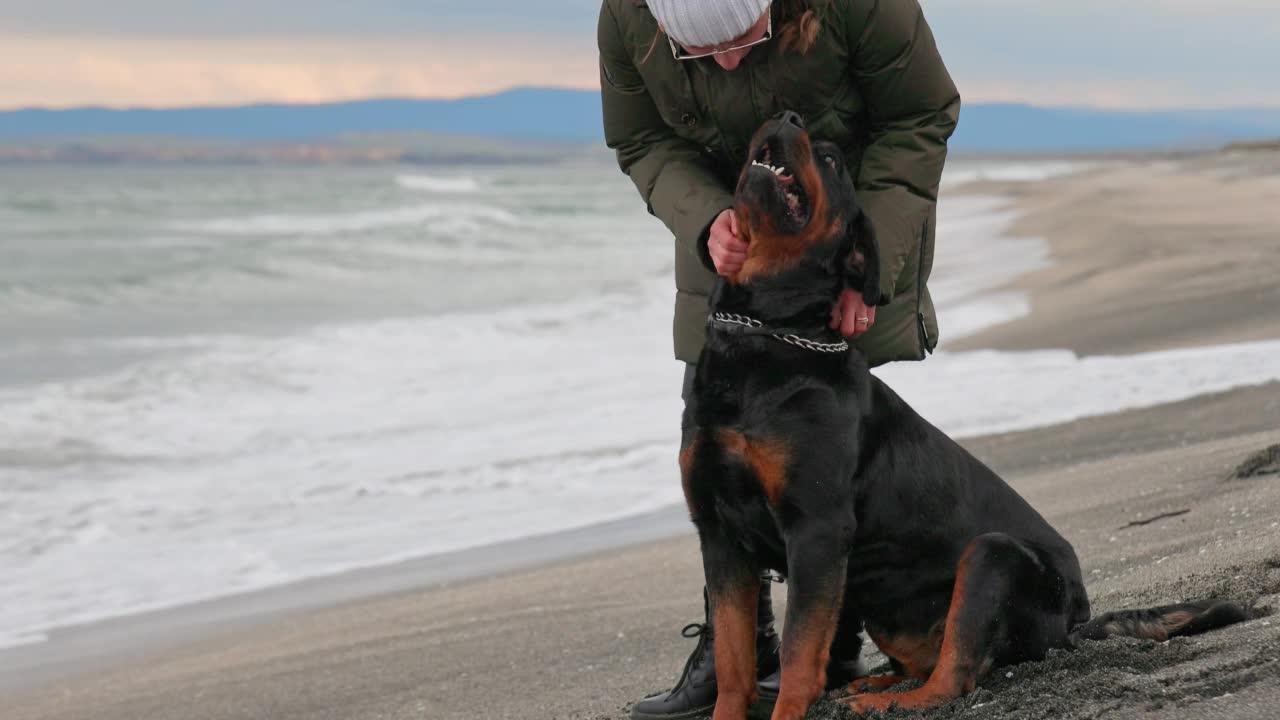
792 117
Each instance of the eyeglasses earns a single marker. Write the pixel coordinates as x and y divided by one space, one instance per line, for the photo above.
679 53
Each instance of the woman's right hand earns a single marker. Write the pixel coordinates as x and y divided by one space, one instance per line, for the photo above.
728 251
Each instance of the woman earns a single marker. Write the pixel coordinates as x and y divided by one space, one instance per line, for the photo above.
685 84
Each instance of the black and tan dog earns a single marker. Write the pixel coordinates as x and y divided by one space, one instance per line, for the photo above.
795 458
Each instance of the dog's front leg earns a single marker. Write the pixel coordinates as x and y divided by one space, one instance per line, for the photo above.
817 561
733 584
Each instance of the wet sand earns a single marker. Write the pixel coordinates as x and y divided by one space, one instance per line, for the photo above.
1149 255
583 637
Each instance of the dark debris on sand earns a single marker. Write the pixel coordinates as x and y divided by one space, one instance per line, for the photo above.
1263 462
1097 679
1089 682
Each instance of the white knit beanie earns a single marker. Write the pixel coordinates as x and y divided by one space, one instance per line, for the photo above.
703 23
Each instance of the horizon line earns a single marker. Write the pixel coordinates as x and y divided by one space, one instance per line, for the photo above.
565 88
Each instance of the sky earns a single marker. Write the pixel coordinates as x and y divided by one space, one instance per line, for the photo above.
1129 54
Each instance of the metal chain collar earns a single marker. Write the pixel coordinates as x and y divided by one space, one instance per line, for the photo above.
813 345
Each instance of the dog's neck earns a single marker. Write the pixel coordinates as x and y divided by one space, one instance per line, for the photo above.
799 297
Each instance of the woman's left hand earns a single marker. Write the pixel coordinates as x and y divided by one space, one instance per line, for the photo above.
851 316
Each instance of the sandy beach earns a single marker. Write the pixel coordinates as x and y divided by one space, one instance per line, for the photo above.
1147 256
1152 254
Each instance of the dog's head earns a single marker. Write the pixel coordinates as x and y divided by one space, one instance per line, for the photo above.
795 196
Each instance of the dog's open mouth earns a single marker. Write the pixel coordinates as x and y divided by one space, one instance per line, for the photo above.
773 160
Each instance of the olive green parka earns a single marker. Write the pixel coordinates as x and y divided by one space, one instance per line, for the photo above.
873 83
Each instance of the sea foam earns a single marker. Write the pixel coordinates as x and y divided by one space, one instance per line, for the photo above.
439 184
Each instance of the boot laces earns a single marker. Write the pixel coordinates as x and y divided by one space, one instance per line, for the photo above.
693 630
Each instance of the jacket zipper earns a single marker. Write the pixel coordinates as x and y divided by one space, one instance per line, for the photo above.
925 350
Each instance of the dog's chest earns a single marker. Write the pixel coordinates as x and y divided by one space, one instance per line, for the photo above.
733 483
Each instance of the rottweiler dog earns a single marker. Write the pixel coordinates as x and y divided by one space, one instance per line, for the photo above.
795 458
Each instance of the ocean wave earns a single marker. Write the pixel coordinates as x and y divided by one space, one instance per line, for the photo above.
9 641
245 433
1034 389
339 223
232 281
246 466
1012 171
438 184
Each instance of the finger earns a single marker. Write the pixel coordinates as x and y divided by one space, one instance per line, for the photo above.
718 244
729 266
733 223
726 251
726 238
838 310
849 326
850 310
723 235
863 319
728 263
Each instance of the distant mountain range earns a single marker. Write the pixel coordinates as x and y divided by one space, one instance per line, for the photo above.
558 115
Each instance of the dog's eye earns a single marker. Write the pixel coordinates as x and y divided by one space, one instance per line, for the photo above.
831 161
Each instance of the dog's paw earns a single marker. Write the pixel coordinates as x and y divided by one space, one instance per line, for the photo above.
866 703
874 683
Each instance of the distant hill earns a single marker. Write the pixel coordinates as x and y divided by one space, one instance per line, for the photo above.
1022 128
559 115
533 114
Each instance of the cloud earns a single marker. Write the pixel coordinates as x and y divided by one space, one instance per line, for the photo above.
1112 53
63 72
241 18
1109 53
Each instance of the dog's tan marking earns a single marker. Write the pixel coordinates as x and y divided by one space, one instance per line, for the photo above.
769 250
917 654
687 455
733 617
766 458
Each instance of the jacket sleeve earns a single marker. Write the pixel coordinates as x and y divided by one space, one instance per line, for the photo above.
913 107
674 177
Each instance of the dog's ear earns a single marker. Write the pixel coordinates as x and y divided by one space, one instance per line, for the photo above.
862 266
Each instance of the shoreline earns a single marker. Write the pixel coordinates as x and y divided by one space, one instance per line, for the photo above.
605 601
73 650
78 650
62 642
1152 254
617 609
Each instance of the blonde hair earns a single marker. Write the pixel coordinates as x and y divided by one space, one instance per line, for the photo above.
799 24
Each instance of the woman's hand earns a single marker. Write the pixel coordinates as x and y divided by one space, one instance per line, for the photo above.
851 316
728 250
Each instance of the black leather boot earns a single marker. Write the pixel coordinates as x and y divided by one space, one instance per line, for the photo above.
845 665
695 692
